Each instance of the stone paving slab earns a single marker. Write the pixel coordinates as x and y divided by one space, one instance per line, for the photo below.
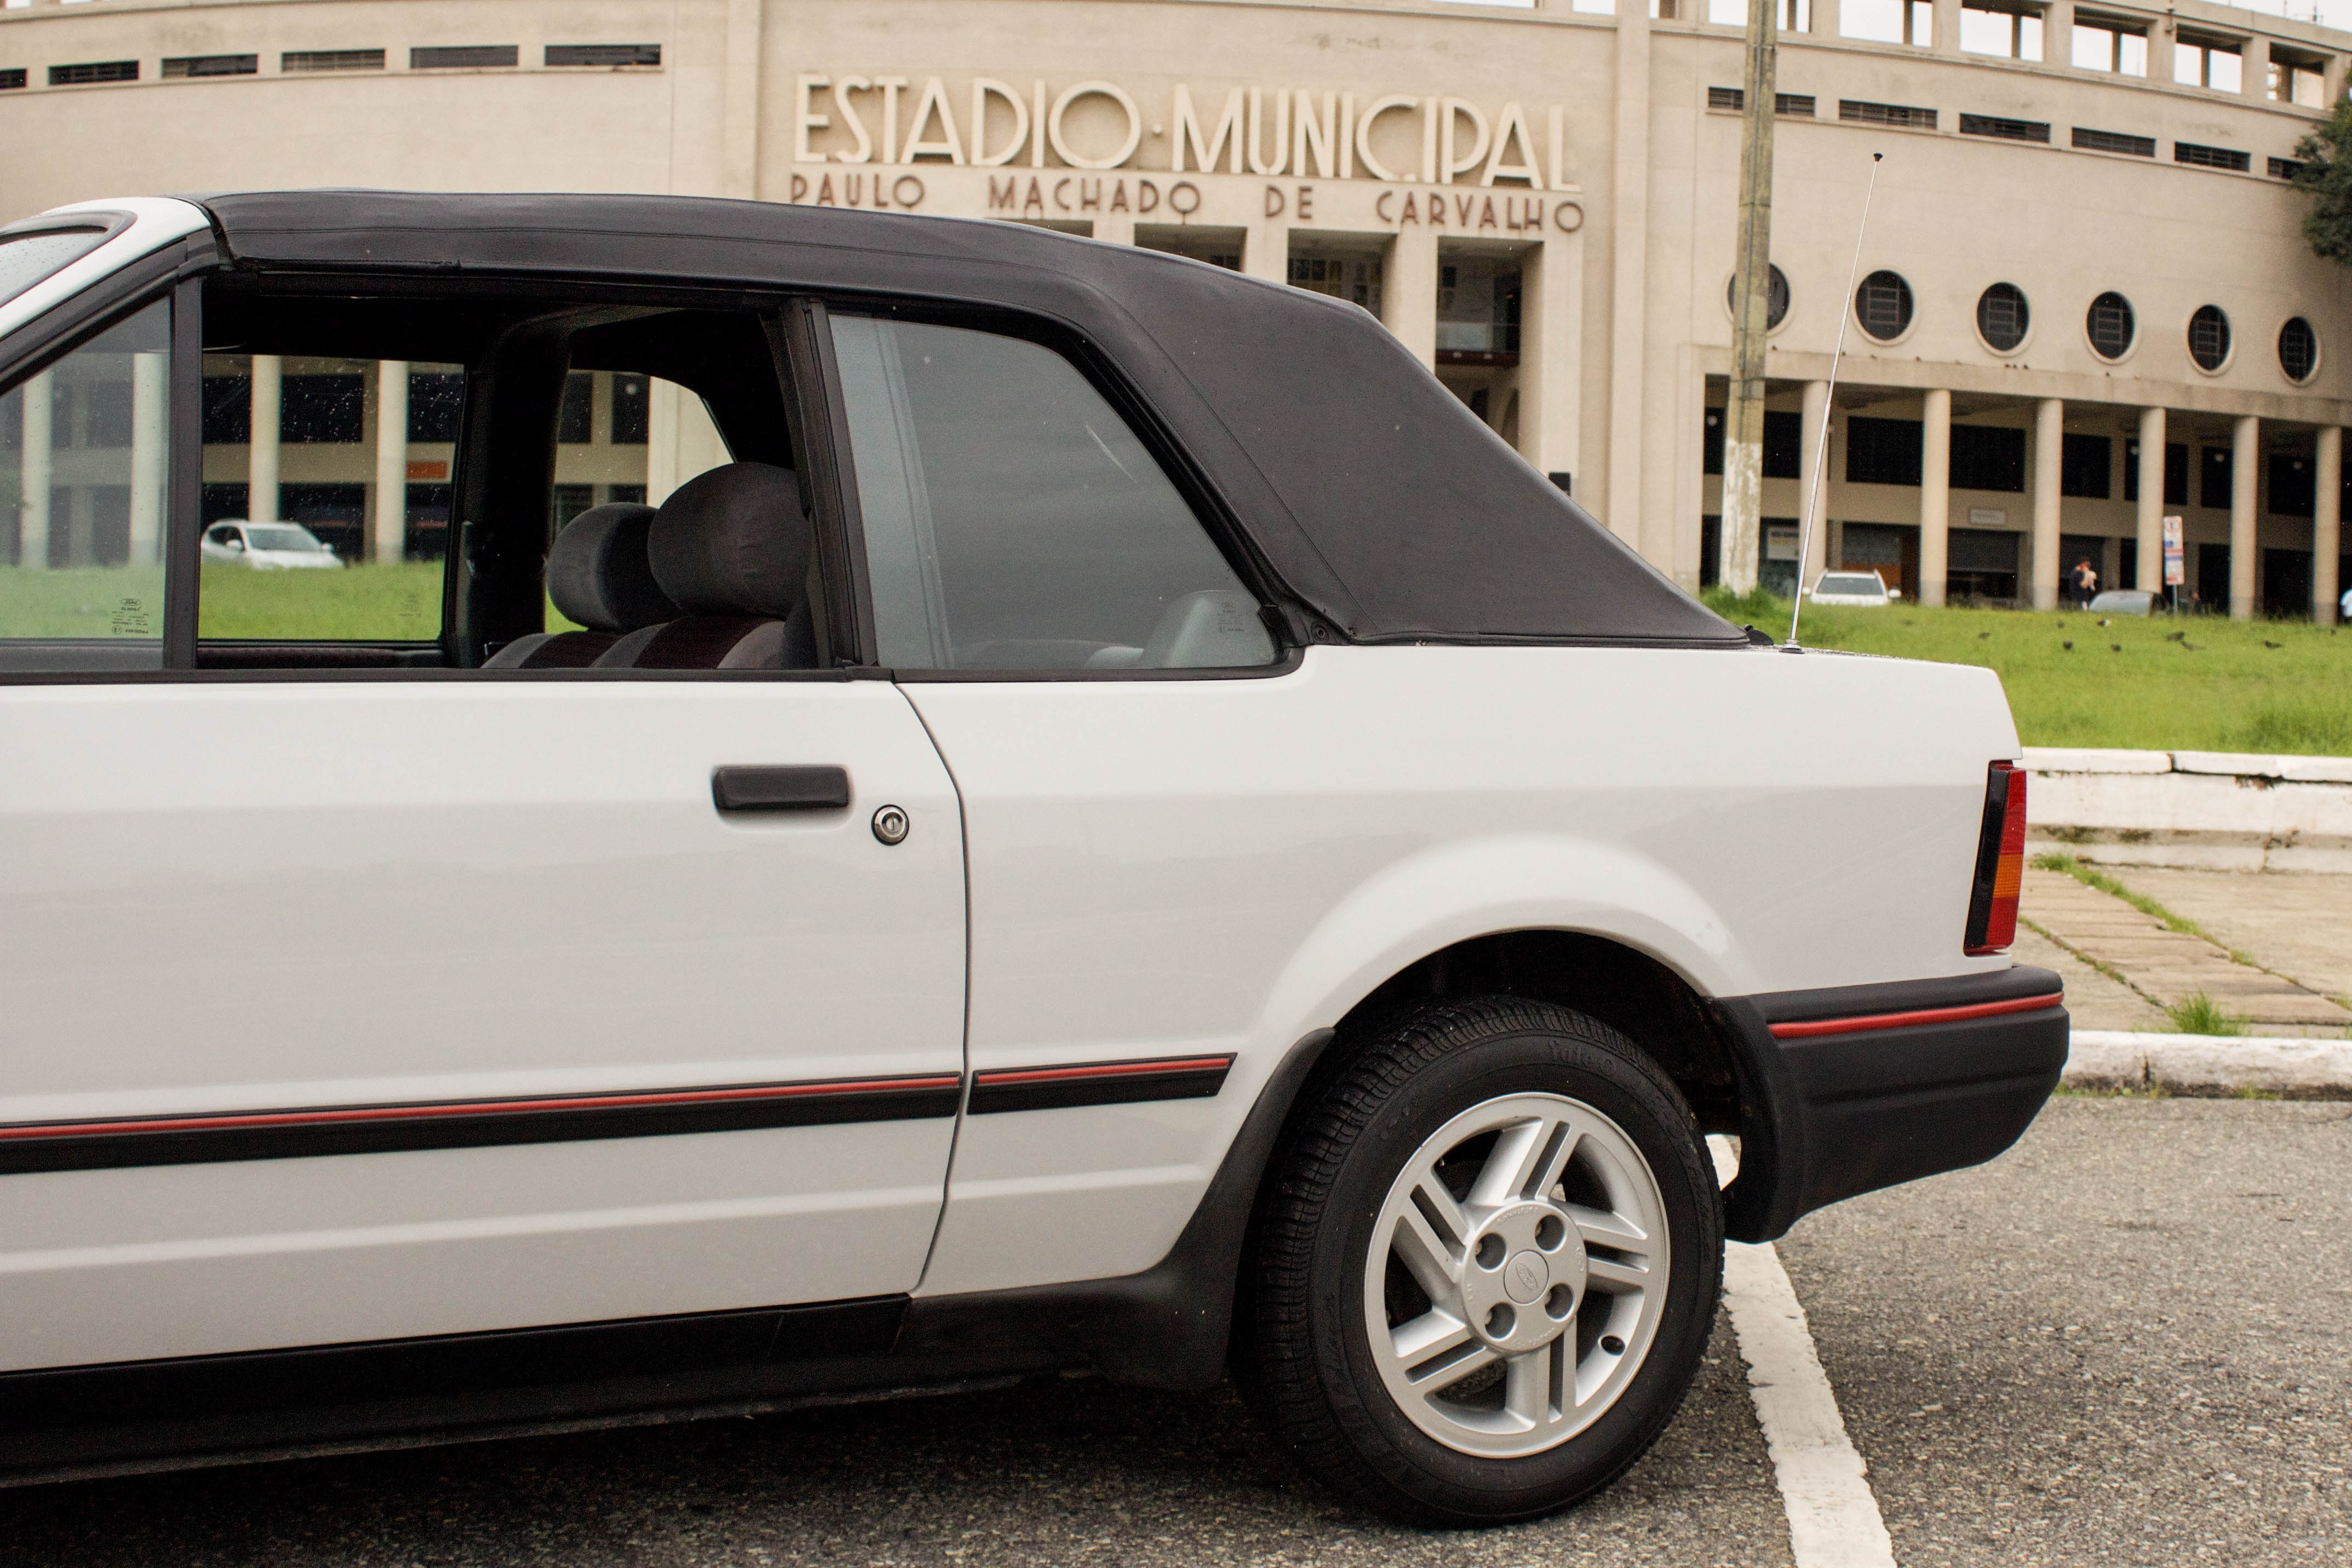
2297 926
2169 967
2093 1000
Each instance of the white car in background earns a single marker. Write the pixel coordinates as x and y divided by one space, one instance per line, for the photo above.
1853 587
267 547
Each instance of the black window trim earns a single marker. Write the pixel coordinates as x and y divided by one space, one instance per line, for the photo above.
1288 626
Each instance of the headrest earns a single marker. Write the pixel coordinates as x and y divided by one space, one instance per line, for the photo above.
734 541
598 573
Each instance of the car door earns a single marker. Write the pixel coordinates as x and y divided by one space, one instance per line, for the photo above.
357 1005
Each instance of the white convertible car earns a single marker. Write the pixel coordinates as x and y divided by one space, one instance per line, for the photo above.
1103 824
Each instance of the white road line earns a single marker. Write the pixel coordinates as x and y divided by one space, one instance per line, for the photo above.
1834 1520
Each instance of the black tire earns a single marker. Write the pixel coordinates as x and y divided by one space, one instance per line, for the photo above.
1305 1354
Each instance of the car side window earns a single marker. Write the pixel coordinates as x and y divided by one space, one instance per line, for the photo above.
1013 521
84 467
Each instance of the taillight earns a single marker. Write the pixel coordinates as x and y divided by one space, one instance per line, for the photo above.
2000 862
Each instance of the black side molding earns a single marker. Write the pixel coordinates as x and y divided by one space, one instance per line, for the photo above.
1863 1087
304 1132
779 789
1098 1084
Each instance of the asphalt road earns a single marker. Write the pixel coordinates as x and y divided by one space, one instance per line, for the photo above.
2127 1341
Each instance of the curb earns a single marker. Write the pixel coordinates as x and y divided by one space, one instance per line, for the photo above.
2209 1065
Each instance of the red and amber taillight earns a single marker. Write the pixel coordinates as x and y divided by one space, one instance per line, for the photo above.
2000 862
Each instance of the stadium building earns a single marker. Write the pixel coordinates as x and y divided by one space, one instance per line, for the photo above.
2084 301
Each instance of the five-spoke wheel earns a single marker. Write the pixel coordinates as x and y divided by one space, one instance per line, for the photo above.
1487 1262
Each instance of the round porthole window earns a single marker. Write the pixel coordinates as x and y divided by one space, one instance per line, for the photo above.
1883 305
2209 337
2111 326
1776 298
2003 317
2298 348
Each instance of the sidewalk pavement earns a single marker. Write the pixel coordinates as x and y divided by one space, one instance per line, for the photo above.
2149 967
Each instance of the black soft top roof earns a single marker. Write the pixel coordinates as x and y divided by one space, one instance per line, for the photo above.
1384 505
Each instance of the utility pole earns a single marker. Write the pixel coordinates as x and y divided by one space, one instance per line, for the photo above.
1743 422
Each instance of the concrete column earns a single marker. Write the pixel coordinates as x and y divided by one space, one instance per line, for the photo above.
388 541
1948 27
1935 495
2255 81
261 473
2245 455
2328 525
38 475
739 96
1552 282
1810 422
2049 442
1265 253
151 404
2058 33
1409 293
1619 497
1825 19
2150 520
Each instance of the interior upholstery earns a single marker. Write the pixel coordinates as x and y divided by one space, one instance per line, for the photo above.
599 575
731 548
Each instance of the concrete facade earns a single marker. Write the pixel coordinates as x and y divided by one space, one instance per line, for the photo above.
1539 200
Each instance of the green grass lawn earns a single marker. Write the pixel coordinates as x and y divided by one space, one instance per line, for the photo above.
2199 684
2154 683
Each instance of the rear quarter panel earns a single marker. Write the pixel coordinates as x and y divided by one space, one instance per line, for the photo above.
1175 868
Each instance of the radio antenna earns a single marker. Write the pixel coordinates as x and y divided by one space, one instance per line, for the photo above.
1829 401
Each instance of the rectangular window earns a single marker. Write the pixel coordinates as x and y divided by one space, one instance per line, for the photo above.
1013 521
435 400
2284 168
1783 103
322 403
2299 81
2005 32
1856 112
211 66
2211 157
1911 22
84 470
631 411
1882 451
2091 140
296 61
97 71
1351 275
2101 45
2292 486
1987 457
2209 63
12 76
2006 129
602 55
1784 440
1477 307
2084 467
2213 477
1711 442
464 57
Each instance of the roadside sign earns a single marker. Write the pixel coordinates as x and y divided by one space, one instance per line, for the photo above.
2174 576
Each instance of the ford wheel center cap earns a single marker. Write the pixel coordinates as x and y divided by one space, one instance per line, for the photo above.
1525 1275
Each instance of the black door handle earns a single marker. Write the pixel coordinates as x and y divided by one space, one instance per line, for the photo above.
779 789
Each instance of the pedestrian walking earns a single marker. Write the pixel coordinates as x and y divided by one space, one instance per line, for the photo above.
2086 583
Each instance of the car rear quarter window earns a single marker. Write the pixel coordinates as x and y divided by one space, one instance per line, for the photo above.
1013 519
84 462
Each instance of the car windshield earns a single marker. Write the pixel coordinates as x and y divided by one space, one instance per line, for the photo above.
1849 585
283 537
26 258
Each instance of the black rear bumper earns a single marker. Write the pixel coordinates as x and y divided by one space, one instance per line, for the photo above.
1854 1088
